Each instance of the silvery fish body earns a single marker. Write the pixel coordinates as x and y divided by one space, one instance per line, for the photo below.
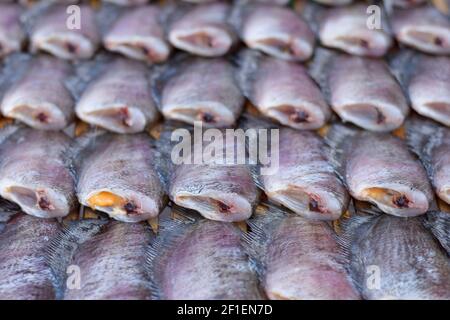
203 30
419 269
305 181
39 98
298 259
119 98
282 90
423 28
26 274
35 173
201 260
117 175
380 169
195 89
138 33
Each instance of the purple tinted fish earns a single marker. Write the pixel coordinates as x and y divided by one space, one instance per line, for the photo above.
12 35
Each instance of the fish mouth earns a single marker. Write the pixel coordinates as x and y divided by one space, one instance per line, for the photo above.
430 39
205 41
283 47
43 116
67 45
439 111
300 117
148 49
398 201
211 114
308 203
372 117
122 206
216 206
119 119
37 202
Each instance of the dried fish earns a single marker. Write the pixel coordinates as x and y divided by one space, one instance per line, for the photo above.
116 175
283 90
345 28
39 97
118 98
26 274
34 172
275 30
423 28
56 33
395 258
12 35
426 79
138 34
362 91
192 89
431 143
112 263
203 30
201 260
305 181
297 258
220 189
379 168
439 223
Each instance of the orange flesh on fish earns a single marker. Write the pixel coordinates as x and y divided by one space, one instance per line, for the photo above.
105 199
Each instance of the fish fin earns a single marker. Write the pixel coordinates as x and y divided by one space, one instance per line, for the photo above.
14 67
439 224
172 230
8 130
85 72
61 248
337 141
31 17
312 13
248 61
7 210
237 14
255 240
318 69
108 14
402 65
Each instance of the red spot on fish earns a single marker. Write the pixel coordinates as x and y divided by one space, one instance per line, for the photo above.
401 201
380 117
223 207
314 205
299 116
71 48
130 208
207 117
438 41
364 43
124 116
42 117
44 204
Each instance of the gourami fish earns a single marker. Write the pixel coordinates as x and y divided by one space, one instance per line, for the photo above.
297 259
117 97
361 90
201 260
203 29
380 169
112 264
117 175
282 90
275 30
305 181
395 258
49 31
138 33
39 97
193 89
431 143
26 274
345 28
423 28
426 79
35 172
